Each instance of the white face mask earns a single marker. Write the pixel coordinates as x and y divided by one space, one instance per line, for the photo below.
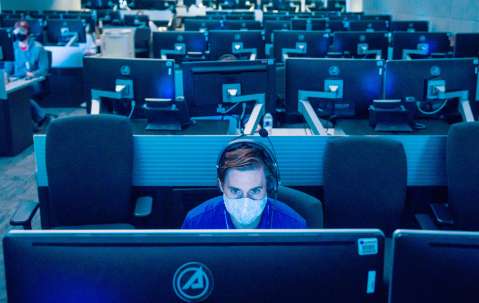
245 210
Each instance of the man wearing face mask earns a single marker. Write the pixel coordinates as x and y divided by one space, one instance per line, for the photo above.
247 172
31 60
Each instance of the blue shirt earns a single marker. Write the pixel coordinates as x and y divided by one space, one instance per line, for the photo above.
36 56
212 214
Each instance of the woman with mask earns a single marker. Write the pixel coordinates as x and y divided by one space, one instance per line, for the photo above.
31 60
247 174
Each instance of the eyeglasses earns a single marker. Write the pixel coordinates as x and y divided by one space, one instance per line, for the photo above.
254 194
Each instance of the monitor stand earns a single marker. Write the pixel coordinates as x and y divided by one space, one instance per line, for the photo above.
165 114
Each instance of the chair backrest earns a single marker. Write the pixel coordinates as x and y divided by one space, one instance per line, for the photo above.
463 174
307 206
365 182
89 162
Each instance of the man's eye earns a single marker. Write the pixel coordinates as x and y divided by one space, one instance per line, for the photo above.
256 191
234 191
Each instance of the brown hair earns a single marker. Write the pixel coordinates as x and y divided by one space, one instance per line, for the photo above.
243 157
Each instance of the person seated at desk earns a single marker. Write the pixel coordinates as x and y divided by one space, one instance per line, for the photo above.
31 60
247 173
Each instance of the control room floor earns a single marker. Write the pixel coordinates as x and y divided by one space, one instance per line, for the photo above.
17 185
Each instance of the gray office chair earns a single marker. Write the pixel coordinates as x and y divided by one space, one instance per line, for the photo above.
89 161
305 205
365 182
462 210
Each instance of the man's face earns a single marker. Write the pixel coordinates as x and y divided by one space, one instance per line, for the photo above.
249 183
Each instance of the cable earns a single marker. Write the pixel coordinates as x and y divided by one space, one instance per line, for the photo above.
440 108
133 106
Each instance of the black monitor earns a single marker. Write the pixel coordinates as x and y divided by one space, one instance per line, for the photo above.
466 45
6 46
241 44
357 83
274 25
409 26
309 24
98 4
377 17
420 45
434 266
275 17
335 26
369 26
143 79
424 85
312 44
179 45
206 83
136 20
361 44
195 24
61 31
242 25
194 266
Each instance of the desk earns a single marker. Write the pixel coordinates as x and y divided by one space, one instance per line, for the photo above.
16 128
200 127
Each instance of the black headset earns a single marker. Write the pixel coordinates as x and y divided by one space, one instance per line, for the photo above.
269 159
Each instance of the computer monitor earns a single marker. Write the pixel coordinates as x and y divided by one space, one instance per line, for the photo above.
98 4
434 266
312 44
241 44
309 24
242 24
409 26
334 87
187 45
431 87
6 46
377 17
273 25
420 45
62 31
466 45
335 26
369 25
136 20
194 266
361 44
195 24
131 79
275 17
207 86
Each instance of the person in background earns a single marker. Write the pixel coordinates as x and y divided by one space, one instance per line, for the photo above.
31 60
246 176
91 47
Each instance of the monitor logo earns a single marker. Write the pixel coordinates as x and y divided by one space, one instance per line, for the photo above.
362 38
422 38
301 37
237 37
179 38
435 71
193 282
334 70
125 70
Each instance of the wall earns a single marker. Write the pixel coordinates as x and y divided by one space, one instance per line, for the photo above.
444 15
41 4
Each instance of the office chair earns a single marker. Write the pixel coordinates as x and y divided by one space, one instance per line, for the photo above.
89 163
365 181
462 210
305 205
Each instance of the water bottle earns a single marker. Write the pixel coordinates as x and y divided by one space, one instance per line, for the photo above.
268 122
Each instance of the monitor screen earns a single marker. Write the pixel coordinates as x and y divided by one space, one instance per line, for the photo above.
434 266
151 78
204 84
192 266
361 83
